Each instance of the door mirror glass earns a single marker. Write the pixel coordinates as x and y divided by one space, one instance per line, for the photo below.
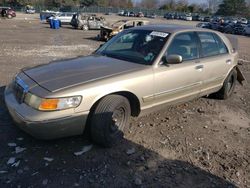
173 59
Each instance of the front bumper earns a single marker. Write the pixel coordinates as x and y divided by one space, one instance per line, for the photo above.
51 128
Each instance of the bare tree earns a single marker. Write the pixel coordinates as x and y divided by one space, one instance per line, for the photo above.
213 5
149 3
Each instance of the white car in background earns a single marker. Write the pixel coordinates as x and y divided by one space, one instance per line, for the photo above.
188 17
65 17
247 30
243 20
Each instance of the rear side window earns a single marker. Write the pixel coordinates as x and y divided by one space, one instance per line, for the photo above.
221 45
211 44
185 45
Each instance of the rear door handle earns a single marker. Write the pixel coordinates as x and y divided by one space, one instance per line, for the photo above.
199 67
229 61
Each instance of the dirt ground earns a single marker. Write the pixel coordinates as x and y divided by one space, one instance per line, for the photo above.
202 143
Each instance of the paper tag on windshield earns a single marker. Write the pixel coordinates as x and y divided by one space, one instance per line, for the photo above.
159 34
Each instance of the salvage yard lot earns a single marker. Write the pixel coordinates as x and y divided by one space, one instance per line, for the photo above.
202 143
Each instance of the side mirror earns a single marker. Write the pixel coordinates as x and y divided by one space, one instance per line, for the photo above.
173 59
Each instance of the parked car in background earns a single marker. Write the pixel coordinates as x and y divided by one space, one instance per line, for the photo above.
64 17
108 13
140 14
30 9
201 18
131 14
196 17
7 12
206 25
151 15
243 21
45 15
239 28
176 16
86 22
215 25
247 30
121 13
125 77
229 28
108 32
126 13
233 20
169 16
207 19
188 17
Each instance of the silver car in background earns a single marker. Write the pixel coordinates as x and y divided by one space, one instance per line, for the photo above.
86 22
64 17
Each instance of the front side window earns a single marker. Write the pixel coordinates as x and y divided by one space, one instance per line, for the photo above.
209 46
185 45
138 46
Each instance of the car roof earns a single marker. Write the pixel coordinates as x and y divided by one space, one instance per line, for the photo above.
170 28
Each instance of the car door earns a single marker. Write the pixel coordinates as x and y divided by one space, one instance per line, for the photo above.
98 23
91 22
178 82
216 61
62 17
69 17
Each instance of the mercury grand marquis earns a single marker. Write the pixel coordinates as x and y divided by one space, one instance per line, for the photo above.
137 70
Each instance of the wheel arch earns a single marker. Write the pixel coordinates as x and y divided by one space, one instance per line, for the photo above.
229 71
132 98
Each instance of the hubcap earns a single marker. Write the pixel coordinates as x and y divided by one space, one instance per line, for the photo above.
85 27
118 119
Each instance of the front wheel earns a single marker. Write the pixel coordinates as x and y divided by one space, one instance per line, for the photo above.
85 27
228 86
109 119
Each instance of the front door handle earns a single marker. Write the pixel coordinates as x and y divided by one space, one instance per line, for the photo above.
199 67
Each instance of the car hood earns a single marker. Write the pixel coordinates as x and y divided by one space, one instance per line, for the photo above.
60 75
107 28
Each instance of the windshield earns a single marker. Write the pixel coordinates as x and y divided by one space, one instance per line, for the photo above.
138 46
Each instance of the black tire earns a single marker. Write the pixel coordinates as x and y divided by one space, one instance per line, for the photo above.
108 120
228 86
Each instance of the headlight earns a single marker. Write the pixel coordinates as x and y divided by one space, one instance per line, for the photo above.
53 103
114 32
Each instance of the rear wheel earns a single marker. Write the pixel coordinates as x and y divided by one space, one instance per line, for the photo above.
228 86
85 27
109 119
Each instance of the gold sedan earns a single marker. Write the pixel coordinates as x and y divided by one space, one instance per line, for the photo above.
137 70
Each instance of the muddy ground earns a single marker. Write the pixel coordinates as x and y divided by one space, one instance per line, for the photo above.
202 143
